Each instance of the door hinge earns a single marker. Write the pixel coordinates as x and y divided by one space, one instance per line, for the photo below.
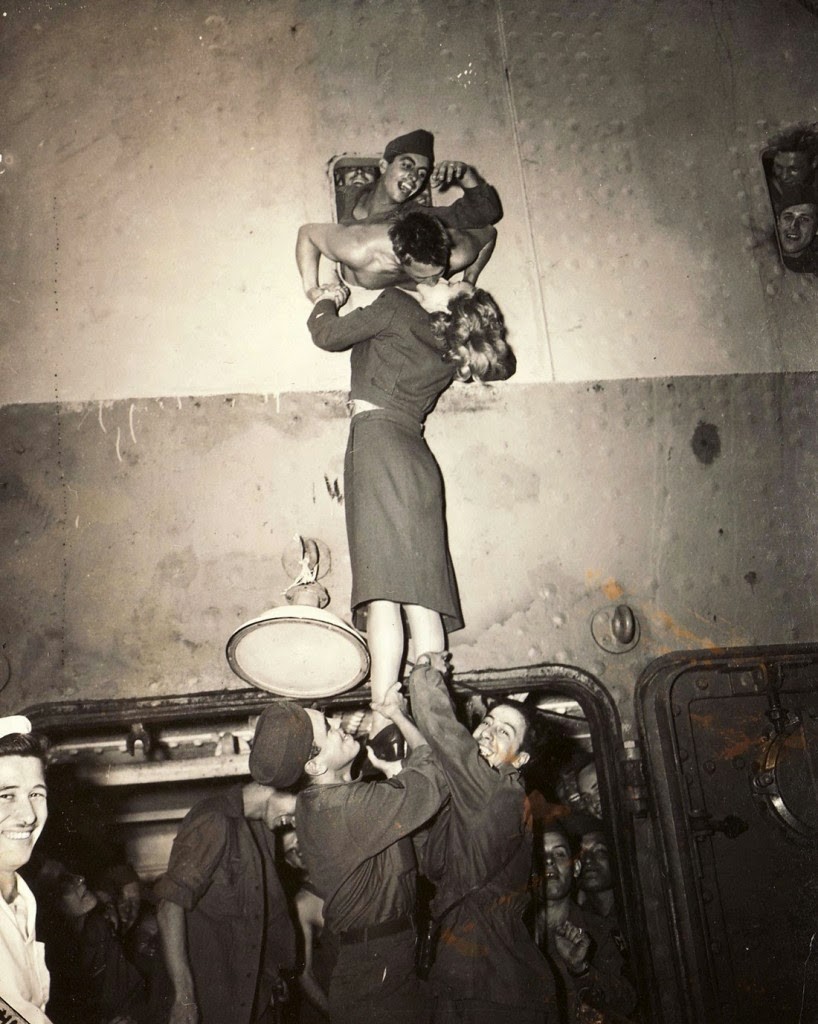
632 774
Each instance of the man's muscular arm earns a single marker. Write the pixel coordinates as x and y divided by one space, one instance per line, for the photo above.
171 919
487 238
311 921
342 243
471 251
309 247
454 172
477 207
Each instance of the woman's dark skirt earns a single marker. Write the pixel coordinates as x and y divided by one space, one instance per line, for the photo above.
395 517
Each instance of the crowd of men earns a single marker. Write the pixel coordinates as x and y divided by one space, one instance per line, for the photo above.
337 887
453 809
510 936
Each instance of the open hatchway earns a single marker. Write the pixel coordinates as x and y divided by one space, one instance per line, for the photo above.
731 750
124 773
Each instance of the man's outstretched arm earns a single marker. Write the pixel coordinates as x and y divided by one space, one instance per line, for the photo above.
471 251
487 238
171 919
310 246
340 242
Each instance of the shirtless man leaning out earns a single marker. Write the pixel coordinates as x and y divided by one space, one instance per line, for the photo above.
417 247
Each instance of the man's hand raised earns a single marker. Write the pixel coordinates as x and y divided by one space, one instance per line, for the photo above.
453 172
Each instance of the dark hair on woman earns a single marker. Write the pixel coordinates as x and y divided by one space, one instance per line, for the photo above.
418 238
20 744
474 335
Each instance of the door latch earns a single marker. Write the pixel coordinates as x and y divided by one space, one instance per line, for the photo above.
704 825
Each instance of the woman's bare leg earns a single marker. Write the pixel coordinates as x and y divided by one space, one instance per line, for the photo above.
426 627
384 634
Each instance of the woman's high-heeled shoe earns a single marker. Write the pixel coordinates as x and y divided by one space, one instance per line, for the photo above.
388 744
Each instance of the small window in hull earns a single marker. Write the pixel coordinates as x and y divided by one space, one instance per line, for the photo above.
791 170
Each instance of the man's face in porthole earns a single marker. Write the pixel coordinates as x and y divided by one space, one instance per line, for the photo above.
792 168
796 228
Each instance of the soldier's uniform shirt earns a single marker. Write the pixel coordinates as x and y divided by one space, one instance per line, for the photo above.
476 208
239 930
355 839
485 955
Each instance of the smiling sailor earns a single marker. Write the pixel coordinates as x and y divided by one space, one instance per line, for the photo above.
24 981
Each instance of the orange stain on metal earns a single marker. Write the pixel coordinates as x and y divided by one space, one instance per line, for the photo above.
612 590
668 623
736 741
609 587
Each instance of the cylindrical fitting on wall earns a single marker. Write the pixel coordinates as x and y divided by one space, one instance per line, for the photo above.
615 628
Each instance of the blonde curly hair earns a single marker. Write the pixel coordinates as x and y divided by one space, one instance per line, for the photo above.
473 333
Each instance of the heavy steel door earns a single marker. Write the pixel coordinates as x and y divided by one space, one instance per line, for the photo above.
731 755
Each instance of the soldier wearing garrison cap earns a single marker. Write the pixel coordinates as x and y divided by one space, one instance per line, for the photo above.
355 837
407 165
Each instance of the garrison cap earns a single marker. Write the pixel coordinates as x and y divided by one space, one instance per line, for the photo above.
281 744
419 141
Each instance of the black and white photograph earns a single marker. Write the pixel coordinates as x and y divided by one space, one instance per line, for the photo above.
408 512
